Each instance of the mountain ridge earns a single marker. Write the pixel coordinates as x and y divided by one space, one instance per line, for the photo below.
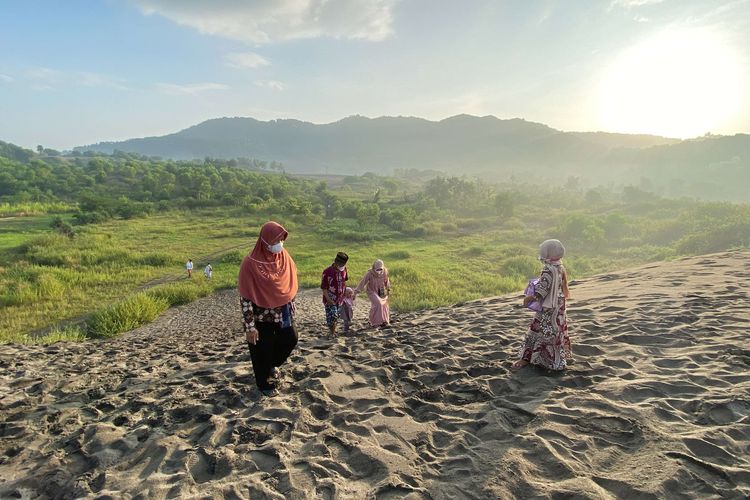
304 146
498 150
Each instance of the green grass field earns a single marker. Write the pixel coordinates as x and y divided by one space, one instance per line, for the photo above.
48 278
90 247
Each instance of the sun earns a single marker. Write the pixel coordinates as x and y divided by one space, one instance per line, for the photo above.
679 83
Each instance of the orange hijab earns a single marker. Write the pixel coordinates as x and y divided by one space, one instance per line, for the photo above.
268 279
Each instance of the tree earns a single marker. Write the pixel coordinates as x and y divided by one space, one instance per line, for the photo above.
503 203
62 227
368 214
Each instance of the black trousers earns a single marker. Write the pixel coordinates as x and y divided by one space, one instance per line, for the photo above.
273 347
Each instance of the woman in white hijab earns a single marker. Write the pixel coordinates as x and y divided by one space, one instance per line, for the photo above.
378 286
547 343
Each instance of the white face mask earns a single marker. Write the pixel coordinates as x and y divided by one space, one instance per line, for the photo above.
341 268
379 271
276 248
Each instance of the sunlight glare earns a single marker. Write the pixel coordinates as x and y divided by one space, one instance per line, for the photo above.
680 83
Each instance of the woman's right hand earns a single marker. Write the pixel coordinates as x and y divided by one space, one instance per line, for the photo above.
252 335
528 299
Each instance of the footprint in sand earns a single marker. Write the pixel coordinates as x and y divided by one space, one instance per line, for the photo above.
204 466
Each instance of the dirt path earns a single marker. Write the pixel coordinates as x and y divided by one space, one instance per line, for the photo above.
170 278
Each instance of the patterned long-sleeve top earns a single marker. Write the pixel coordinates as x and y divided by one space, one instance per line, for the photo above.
253 313
334 282
546 285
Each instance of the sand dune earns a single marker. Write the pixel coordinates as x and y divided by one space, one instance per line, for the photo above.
656 405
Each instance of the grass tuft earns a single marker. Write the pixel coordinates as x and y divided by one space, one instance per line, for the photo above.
67 334
398 255
124 316
176 294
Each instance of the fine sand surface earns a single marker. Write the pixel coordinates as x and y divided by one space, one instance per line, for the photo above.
657 404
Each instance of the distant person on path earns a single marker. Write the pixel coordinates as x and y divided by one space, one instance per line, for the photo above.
547 343
333 284
347 309
189 267
208 271
378 287
268 284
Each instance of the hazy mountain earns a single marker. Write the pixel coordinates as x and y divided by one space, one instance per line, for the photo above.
712 167
358 144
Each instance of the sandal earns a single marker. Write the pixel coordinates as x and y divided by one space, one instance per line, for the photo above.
269 393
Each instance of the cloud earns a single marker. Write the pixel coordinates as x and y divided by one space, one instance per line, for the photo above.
270 84
5 78
45 74
266 21
245 60
89 79
189 88
47 78
629 4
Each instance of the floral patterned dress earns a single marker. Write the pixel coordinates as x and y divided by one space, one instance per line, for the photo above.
547 343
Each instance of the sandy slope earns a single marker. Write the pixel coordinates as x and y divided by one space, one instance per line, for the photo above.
657 405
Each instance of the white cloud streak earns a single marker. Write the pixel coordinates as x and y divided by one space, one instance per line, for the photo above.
189 88
270 84
629 4
48 78
6 78
267 21
45 74
244 60
88 79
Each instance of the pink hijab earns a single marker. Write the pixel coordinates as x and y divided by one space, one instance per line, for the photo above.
268 279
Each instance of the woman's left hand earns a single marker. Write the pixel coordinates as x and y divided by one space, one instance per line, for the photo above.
528 299
252 335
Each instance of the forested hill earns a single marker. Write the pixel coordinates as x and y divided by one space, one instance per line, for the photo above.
358 144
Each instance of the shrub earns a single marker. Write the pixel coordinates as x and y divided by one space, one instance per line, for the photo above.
583 228
521 266
233 257
176 294
62 227
155 260
666 232
90 218
66 334
99 256
404 274
48 287
398 255
733 235
17 294
126 315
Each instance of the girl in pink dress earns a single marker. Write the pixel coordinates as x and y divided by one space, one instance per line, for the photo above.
378 286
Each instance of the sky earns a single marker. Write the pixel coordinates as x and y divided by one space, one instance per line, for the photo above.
83 71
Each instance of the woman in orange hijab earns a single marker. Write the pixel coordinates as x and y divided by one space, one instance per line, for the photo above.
268 284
